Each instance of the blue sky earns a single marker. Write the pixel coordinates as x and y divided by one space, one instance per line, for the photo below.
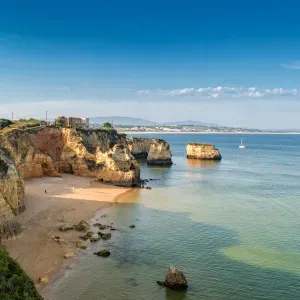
235 63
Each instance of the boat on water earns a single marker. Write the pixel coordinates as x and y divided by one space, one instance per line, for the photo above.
242 146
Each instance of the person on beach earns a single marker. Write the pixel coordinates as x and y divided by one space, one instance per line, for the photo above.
45 191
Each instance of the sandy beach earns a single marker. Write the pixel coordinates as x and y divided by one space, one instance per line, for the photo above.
68 199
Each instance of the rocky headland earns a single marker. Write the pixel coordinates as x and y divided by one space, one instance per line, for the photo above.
202 151
48 151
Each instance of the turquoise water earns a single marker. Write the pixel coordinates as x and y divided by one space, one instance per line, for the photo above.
233 227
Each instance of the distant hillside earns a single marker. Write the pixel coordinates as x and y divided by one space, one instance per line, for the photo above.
116 120
190 122
122 121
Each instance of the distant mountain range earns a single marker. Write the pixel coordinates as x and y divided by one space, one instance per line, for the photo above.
116 120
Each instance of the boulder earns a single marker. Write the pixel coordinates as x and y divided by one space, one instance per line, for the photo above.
44 280
175 280
66 227
69 254
81 245
82 226
95 238
104 236
87 236
103 253
202 151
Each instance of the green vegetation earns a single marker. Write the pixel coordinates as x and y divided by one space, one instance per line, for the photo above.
4 123
14 283
31 120
107 125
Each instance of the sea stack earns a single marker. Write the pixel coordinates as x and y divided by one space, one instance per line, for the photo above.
175 280
202 151
160 153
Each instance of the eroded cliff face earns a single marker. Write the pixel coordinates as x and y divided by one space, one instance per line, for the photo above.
120 167
139 147
159 153
202 151
50 150
11 197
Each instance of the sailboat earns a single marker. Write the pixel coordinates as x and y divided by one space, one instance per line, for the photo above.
241 146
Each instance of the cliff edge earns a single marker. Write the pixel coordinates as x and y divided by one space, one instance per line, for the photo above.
11 197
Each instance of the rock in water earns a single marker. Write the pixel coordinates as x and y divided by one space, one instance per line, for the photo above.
103 253
159 153
81 245
202 151
104 236
175 280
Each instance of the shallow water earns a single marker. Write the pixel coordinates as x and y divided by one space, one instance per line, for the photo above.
233 227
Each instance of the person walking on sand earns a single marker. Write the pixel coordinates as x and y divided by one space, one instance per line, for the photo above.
45 191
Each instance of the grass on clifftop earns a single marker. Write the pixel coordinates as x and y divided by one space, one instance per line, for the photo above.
14 283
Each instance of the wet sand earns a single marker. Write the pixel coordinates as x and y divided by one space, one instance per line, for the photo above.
68 199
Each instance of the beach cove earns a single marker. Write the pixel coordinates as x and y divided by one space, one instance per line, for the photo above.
50 203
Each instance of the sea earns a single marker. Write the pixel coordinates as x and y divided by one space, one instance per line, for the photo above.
232 227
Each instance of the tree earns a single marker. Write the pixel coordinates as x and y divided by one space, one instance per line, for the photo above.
107 125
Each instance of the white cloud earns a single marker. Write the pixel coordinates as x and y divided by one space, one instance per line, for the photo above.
295 65
222 91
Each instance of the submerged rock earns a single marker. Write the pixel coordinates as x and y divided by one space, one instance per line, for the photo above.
82 226
66 227
95 238
81 245
175 280
104 236
202 151
103 253
87 236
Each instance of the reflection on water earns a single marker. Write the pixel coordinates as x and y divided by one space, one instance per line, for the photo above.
202 163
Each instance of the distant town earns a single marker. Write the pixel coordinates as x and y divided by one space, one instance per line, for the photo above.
93 123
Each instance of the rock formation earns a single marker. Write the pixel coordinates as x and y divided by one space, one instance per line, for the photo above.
47 151
202 151
139 147
159 153
156 151
175 280
11 197
120 167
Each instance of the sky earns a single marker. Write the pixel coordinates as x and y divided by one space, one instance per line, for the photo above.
234 63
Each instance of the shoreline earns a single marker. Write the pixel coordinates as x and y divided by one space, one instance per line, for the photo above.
169 132
67 200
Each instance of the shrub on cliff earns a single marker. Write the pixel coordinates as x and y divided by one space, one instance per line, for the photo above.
14 283
4 123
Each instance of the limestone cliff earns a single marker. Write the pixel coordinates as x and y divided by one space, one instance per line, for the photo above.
156 151
139 147
120 167
48 151
202 151
11 197
159 153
